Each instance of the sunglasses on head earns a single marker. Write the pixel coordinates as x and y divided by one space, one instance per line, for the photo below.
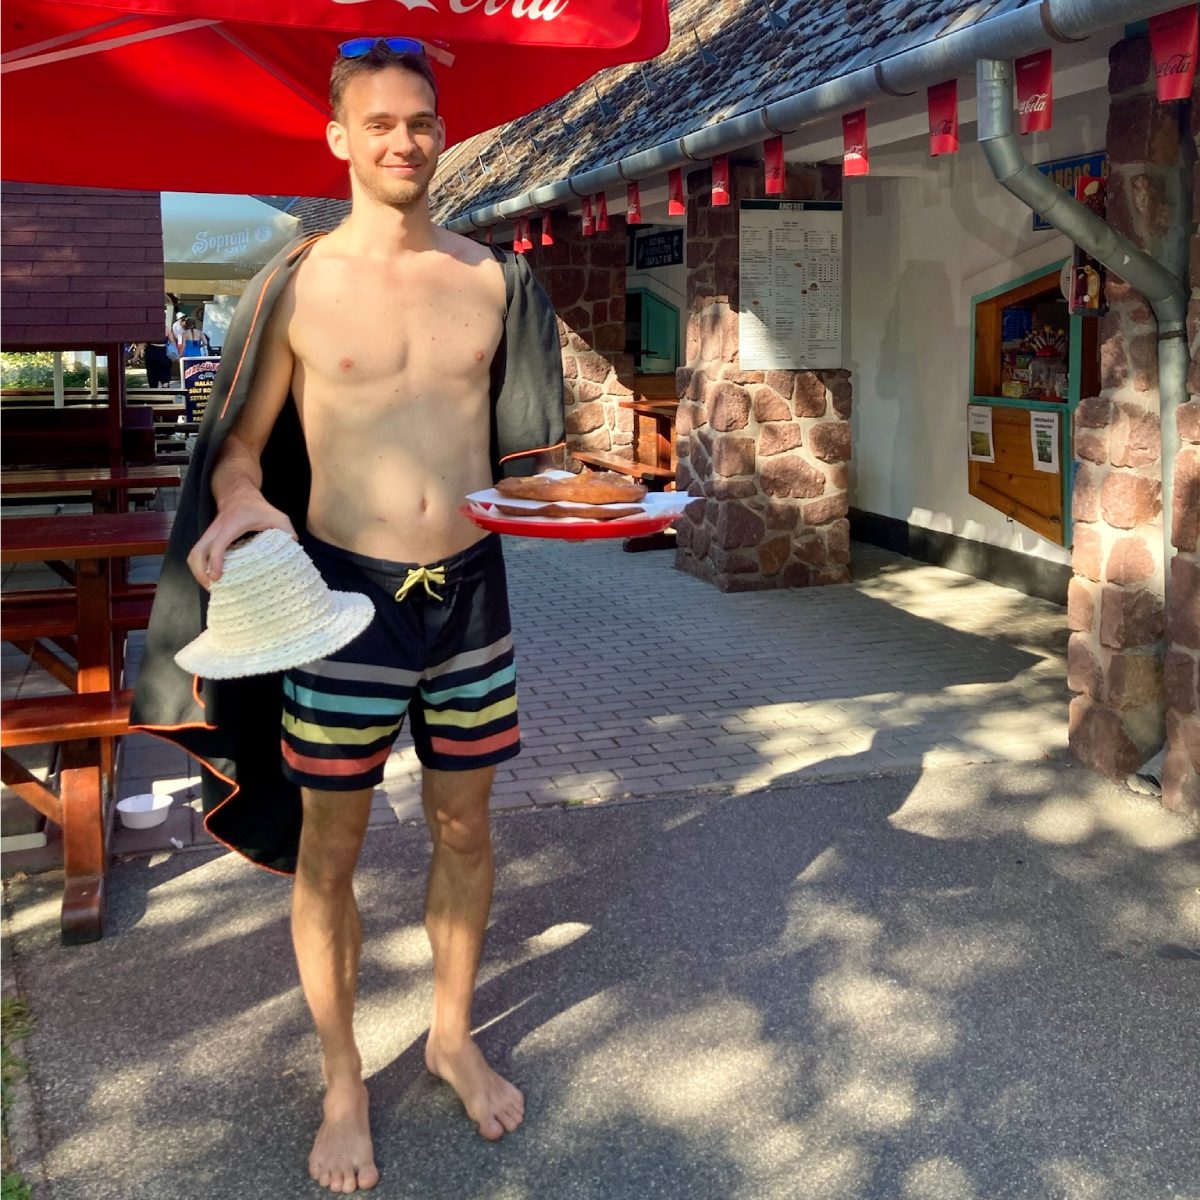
362 46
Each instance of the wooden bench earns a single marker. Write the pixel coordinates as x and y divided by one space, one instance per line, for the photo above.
79 723
73 436
650 473
28 620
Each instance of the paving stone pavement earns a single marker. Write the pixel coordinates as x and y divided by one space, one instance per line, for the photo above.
637 680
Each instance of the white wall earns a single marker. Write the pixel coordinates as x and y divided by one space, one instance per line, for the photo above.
923 236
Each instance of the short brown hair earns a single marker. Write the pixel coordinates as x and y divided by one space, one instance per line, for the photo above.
378 58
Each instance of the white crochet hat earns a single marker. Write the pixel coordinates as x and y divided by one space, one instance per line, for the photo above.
271 610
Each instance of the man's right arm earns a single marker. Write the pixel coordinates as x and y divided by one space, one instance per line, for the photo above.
237 475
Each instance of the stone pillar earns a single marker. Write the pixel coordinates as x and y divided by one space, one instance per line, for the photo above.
1116 599
585 279
765 453
1181 775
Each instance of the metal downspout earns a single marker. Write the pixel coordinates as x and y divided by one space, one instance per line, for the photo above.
1163 290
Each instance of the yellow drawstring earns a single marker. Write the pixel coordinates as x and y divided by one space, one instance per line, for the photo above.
425 575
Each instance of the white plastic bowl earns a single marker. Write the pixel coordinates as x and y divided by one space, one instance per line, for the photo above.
144 811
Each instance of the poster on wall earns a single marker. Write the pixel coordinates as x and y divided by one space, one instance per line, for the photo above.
979 429
1043 427
198 376
1067 172
790 261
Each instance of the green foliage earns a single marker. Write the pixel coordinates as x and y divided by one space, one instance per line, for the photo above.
13 1187
16 1020
35 369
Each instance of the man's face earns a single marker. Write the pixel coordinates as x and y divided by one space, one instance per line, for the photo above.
390 135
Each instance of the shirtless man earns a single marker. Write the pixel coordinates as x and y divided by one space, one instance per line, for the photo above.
384 337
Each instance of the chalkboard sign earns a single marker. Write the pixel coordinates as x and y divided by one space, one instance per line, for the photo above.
663 249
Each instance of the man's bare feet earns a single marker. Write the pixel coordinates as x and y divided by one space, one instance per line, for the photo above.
342 1158
494 1104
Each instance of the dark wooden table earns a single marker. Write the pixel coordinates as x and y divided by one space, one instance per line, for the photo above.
86 548
108 486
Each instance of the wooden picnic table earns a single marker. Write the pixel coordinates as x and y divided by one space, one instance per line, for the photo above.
108 486
84 548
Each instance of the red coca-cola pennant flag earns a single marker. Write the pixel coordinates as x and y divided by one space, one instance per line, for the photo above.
487 236
601 212
1173 41
943 117
589 226
773 164
547 231
676 205
519 235
527 232
633 203
1035 91
720 181
855 158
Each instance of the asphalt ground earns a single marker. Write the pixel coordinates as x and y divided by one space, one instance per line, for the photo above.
966 982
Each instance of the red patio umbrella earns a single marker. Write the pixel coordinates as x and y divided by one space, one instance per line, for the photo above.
230 96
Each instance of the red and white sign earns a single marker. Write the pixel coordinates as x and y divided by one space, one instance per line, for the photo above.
676 205
943 117
601 213
547 231
1035 91
1173 41
521 241
773 164
589 226
720 181
255 77
633 203
856 158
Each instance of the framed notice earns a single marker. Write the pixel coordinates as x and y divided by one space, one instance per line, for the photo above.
790 310
979 430
1043 431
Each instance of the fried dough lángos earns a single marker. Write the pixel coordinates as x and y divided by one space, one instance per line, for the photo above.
588 487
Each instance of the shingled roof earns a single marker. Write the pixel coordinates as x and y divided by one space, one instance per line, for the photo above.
634 107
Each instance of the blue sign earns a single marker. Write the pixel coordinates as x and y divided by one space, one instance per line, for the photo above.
663 249
1066 171
198 376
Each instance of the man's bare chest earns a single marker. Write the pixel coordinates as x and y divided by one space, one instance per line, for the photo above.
419 329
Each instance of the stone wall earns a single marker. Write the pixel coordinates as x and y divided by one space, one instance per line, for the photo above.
585 279
1116 603
1181 776
764 452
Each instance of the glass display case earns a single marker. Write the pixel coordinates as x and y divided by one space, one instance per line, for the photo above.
1032 361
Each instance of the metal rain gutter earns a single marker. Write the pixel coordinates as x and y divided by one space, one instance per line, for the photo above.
1163 289
1008 36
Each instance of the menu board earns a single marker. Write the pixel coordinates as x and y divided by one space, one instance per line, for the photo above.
198 375
790 313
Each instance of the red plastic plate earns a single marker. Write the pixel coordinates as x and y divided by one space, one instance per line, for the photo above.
568 530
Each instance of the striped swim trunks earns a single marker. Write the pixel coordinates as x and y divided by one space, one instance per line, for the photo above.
439 649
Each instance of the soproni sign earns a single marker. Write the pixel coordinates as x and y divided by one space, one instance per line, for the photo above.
535 10
207 245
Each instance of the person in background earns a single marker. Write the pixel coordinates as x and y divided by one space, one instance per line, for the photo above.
158 365
195 341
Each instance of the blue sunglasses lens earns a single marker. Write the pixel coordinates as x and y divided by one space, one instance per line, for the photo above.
361 47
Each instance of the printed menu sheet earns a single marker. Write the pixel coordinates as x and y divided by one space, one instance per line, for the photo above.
790 318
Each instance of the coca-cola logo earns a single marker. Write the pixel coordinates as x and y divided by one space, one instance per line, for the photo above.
1177 64
534 10
856 150
1034 103
943 128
